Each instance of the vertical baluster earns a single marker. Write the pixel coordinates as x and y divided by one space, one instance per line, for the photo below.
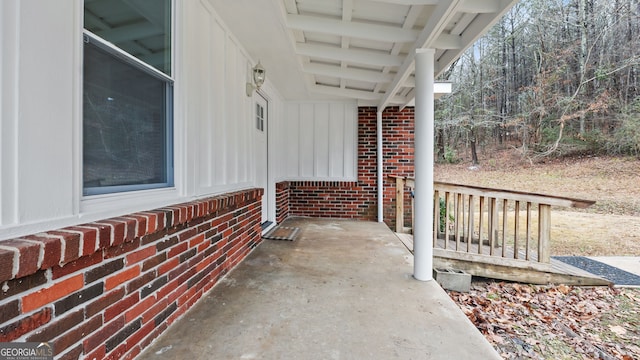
504 226
493 224
413 208
516 230
528 231
470 224
446 219
480 224
436 217
456 221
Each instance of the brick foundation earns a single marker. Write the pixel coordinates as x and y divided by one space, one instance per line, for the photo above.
106 289
282 201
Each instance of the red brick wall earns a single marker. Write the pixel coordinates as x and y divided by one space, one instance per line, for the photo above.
331 199
282 201
106 289
357 200
398 134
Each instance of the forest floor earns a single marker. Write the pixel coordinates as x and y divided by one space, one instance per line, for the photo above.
558 321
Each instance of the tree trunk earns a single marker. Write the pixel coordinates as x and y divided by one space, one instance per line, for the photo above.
441 148
474 152
583 54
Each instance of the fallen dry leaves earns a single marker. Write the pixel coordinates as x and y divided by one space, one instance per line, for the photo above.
562 322
555 322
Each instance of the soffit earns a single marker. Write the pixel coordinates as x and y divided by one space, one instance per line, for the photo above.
326 49
355 49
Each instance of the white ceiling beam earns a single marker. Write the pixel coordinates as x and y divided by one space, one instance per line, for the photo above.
448 41
462 24
351 29
439 18
347 15
364 57
471 6
439 88
348 73
409 22
480 6
410 82
349 93
409 2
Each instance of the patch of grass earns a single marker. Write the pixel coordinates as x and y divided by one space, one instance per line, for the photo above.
554 348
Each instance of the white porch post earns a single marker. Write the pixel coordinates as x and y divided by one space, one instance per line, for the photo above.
379 162
424 133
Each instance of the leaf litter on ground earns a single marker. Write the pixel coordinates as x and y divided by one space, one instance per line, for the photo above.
555 322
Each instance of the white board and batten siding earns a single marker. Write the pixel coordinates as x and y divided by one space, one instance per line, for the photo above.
41 116
221 131
319 141
40 88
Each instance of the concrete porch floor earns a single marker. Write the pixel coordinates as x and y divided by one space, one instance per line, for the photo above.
341 290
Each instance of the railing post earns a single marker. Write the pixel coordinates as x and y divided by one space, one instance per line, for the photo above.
400 205
544 233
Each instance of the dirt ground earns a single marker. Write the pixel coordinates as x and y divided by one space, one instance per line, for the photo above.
610 227
557 321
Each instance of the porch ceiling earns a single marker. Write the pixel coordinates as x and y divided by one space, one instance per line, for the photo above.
355 49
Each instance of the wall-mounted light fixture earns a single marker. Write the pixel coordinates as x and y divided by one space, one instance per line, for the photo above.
258 78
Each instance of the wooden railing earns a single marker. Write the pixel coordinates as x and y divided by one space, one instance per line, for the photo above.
491 222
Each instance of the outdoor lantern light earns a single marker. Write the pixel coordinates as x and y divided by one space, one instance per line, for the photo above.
258 78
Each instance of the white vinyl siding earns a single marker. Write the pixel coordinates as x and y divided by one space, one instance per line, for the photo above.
41 116
41 120
221 115
40 42
319 141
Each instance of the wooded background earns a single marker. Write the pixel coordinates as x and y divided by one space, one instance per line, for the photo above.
553 77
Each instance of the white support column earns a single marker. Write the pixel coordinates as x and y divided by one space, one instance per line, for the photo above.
379 162
424 134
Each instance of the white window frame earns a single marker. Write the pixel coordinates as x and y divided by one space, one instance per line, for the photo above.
98 206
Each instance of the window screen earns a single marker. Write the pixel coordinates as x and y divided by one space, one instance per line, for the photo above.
127 101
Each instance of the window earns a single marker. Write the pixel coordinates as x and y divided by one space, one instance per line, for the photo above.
127 96
259 117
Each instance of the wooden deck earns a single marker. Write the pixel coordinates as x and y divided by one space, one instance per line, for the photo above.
479 262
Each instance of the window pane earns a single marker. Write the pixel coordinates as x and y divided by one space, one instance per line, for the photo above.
142 28
126 125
